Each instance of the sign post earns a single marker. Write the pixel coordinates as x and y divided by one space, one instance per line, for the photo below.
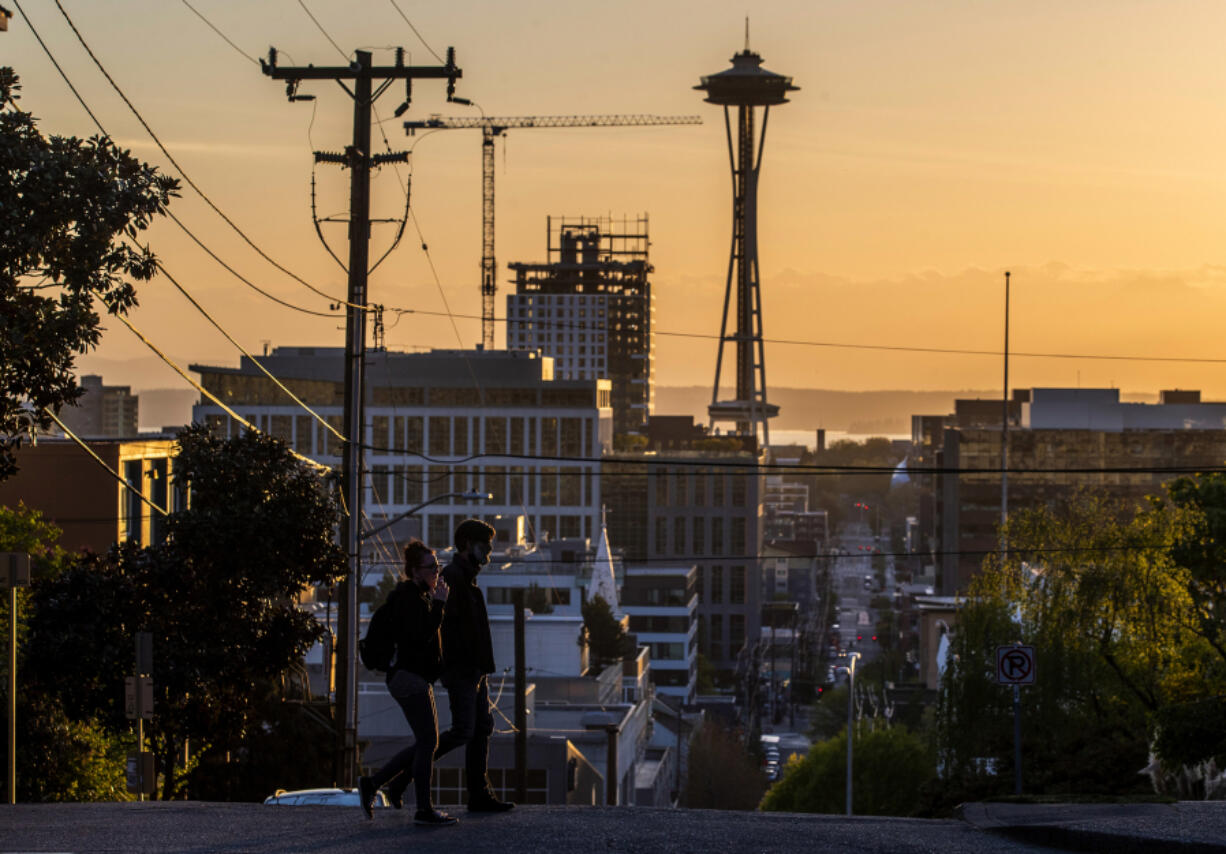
138 706
1015 666
14 573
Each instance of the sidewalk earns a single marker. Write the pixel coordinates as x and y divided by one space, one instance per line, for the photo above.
1187 827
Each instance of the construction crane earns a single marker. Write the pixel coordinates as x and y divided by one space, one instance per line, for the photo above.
494 126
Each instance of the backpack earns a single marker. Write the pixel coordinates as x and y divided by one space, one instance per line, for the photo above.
378 648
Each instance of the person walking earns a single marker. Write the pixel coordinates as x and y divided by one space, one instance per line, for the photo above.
418 603
468 659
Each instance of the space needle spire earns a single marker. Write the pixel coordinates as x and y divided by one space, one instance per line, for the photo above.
745 86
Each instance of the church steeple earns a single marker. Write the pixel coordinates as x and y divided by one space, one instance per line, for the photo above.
604 581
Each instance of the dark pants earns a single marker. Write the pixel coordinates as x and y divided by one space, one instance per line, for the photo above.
471 726
416 698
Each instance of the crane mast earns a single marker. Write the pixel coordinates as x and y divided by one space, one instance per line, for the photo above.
492 127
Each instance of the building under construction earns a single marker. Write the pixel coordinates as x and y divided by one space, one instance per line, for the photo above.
589 307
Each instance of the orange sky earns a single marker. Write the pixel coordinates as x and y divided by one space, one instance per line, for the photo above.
932 146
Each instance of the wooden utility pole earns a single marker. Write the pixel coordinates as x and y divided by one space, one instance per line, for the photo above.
358 159
521 701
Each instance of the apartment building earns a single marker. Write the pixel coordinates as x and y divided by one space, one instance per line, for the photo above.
103 411
662 603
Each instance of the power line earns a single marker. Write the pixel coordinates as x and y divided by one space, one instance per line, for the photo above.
316 465
785 468
320 27
199 243
224 37
102 130
425 44
85 447
243 350
157 141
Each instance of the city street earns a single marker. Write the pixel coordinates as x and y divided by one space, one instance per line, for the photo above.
857 620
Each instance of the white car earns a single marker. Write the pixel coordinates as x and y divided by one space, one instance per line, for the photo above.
321 797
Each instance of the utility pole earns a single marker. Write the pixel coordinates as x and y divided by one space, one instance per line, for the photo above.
358 159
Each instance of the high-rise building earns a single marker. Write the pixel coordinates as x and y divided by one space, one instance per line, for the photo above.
427 414
588 307
699 505
103 411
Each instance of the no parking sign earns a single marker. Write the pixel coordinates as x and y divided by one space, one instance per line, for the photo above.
1015 665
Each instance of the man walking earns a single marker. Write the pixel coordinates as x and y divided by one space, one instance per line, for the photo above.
468 658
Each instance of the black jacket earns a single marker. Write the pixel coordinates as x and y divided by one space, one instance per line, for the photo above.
467 648
418 615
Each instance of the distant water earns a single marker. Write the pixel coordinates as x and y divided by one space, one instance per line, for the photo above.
808 438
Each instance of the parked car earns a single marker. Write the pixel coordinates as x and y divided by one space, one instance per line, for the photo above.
321 797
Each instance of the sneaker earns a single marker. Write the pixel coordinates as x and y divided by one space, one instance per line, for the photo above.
366 795
434 818
486 802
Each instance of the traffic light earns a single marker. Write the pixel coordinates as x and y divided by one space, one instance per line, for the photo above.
874 637
861 637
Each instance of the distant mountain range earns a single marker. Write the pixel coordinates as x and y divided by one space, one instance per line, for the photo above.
876 412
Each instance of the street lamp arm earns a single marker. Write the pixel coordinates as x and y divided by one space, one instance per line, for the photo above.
470 495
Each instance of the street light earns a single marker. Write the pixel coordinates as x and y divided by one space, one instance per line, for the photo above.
468 495
851 693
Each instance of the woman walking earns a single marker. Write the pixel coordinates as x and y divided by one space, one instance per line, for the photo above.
417 603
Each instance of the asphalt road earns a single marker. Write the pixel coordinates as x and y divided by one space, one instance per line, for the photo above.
192 827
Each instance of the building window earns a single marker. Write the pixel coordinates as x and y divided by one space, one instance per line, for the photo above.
700 489
571 493
717 585
440 435
495 435
736 593
700 542
738 489
517 435
661 543
412 437
717 535
738 535
438 531
679 535
549 487
680 498
439 481
461 437
380 433
717 489
549 437
450 789
736 630
661 479
302 435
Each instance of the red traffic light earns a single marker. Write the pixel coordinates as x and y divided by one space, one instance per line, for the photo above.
874 637
859 637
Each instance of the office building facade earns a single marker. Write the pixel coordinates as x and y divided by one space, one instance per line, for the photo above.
442 422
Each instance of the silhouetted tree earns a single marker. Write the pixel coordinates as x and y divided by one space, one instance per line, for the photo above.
58 758
606 637
219 597
721 773
66 206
